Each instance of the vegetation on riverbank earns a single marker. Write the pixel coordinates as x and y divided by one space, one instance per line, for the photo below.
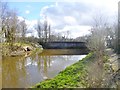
86 73
73 76
20 49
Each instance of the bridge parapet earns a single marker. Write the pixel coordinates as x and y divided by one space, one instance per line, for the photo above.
63 45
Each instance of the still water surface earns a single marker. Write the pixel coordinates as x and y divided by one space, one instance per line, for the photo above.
21 72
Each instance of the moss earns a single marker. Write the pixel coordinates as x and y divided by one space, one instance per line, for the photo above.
72 76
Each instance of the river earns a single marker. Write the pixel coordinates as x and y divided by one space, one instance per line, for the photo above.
24 72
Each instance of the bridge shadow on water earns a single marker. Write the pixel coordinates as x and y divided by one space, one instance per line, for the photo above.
65 52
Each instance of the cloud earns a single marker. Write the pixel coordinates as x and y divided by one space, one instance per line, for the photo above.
62 14
21 18
70 20
27 11
30 26
74 31
68 16
73 16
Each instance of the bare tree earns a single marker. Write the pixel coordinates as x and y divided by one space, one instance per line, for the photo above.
11 28
96 42
3 14
9 24
39 30
46 30
43 30
23 29
49 32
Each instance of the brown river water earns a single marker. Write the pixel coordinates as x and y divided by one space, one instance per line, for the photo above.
24 72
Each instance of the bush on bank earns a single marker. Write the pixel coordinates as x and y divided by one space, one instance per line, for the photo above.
72 76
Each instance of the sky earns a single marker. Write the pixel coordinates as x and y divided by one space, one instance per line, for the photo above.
75 16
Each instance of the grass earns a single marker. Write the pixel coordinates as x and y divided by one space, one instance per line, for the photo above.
73 76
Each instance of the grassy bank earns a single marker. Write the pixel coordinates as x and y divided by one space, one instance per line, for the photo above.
72 76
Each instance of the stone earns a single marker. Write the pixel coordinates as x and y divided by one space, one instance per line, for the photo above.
17 53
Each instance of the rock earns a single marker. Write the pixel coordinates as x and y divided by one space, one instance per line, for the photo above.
45 77
36 45
39 46
27 54
115 66
17 53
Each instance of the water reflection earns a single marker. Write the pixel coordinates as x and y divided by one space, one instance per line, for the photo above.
27 71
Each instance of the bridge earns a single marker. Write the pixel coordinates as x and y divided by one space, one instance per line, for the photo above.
70 47
63 45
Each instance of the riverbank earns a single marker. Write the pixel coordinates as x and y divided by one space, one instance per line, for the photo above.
87 73
20 49
72 77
